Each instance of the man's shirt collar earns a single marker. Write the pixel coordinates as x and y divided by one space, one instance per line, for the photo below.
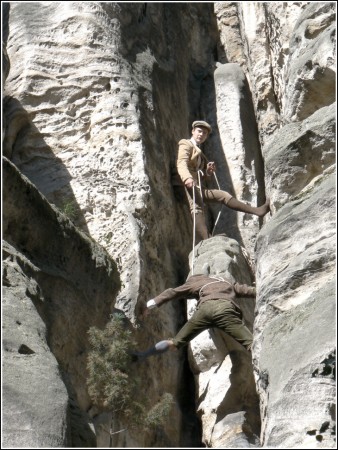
194 142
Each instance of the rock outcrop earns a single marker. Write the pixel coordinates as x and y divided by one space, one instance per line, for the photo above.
57 283
96 97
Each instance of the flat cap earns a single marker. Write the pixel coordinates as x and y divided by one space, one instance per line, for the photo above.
201 123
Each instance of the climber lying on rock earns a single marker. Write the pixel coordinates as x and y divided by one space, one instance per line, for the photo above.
216 308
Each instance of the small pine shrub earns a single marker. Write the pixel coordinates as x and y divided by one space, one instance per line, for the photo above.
70 210
159 412
112 382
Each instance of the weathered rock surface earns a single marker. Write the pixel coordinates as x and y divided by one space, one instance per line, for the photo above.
96 98
294 347
287 51
94 131
311 73
57 283
239 160
300 155
31 376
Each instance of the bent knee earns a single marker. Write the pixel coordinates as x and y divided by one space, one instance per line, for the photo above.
227 197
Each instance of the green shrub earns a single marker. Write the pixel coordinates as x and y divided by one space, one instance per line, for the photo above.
112 381
159 412
70 209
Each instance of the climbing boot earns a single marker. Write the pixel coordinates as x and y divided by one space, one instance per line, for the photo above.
259 211
160 347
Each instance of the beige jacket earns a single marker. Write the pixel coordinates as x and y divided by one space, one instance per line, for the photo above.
190 160
204 288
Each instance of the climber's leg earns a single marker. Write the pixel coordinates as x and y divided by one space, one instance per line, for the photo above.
199 322
259 211
228 318
214 195
158 348
197 213
201 228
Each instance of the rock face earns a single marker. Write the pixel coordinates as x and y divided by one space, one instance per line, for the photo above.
57 283
296 298
287 50
96 97
243 173
26 354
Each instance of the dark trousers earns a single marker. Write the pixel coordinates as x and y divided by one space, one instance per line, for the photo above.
221 314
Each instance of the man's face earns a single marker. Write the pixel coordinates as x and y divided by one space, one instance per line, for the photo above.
200 134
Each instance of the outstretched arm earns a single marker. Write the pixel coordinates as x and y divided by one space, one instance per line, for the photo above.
190 289
146 310
243 290
180 292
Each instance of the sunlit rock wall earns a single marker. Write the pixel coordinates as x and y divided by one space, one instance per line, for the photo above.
96 98
287 51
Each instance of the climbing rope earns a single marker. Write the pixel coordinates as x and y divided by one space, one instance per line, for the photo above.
199 183
219 214
199 172
194 231
217 181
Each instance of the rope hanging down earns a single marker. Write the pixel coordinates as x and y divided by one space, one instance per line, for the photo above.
194 216
219 214
194 232
199 172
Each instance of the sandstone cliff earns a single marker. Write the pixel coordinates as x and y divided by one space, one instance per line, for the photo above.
95 98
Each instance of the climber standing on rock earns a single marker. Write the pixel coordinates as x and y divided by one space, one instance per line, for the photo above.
216 308
194 169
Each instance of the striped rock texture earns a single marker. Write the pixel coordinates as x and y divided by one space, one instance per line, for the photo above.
95 98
